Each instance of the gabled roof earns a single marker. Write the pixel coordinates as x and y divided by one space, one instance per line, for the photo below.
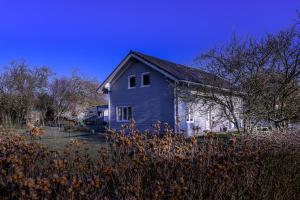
178 72
184 73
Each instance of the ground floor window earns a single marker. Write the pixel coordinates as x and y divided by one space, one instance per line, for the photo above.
100 114
124 113
189 114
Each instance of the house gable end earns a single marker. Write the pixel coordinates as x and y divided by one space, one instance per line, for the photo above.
127 61
148 104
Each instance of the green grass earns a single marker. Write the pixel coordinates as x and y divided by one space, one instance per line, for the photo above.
57 139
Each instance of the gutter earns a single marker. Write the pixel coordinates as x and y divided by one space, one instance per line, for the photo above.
209 86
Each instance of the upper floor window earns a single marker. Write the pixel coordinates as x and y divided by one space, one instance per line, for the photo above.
145 79
131 81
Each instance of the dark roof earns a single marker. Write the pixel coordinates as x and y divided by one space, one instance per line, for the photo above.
184 73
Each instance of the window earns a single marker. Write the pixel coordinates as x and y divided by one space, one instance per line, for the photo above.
209 120
145 79
189 114
100 114
131 81
124 113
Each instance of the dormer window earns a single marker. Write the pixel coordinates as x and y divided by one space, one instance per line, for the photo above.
131 81
145 79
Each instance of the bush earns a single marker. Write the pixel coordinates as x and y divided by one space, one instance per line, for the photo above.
147 166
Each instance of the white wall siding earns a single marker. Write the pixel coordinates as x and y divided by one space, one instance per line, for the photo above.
203 121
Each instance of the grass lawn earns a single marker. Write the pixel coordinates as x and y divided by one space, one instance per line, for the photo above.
56 139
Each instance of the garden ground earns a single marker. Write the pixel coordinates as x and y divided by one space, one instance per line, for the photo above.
57 139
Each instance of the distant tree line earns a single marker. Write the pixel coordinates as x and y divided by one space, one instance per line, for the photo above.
24 89
262 80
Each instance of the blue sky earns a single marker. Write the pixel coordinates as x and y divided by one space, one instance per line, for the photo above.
94 35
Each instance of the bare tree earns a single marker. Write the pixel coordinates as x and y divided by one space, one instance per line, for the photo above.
282 98
20 85
256 80
72 95
24 89
45 104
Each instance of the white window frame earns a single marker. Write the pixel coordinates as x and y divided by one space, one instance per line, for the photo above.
190 114
122 117
142 79
209 119
129 77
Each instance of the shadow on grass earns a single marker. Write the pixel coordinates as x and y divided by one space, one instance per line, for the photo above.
95 138
89 137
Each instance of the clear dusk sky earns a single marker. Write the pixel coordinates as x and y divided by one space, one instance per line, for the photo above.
94 35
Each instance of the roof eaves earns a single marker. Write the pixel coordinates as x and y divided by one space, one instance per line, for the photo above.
107 78
158 66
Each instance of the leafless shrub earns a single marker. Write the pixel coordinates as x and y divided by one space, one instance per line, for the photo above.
147 166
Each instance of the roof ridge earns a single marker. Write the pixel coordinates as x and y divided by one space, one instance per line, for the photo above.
143 54
172 62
